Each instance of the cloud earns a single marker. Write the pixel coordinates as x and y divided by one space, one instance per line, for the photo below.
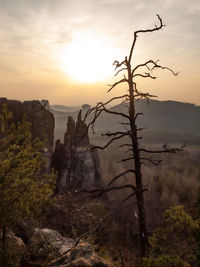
32 31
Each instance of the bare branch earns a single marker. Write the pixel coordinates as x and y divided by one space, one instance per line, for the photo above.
97 114
129 145
110 142
100 192
156 28
146 75
127 159
153 161
117 64
122 69
116 83
116 133
148 64
124 123
115 112
143 65
141 129
146 96
89 112
165 150
112 99
120 175
138 114
100 107
164 68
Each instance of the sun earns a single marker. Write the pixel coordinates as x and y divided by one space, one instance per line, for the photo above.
88 58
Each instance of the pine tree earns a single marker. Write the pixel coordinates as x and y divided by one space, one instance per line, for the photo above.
24 191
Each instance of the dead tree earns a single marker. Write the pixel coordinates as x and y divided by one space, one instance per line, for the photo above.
137 156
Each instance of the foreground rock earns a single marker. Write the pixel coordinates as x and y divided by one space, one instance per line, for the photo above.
44 240
47 247
16 249
77 164
81 256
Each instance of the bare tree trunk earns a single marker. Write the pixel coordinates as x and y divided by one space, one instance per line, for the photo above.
138 173
143 70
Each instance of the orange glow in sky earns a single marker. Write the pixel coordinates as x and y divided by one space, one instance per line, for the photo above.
88 58
63 50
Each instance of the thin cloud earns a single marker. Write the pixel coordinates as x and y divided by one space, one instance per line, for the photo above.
31 31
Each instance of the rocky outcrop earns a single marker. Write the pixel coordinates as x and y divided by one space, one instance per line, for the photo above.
70 134
47 247
82 255
45 240
77 164
45 103
42 121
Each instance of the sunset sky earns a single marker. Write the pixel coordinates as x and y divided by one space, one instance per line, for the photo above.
63 50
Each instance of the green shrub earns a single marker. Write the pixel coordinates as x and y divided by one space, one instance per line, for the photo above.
165 261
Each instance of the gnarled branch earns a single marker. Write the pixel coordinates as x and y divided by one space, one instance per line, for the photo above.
156 28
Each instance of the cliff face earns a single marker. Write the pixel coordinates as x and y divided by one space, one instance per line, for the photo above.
78 166
42 121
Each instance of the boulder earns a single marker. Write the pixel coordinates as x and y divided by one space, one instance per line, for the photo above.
15 252
46 244
81 256
44 240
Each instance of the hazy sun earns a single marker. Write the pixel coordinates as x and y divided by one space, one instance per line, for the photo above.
88 58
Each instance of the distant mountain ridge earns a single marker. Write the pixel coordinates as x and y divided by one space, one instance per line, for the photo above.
169 117
163 116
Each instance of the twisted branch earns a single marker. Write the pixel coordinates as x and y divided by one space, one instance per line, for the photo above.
156 28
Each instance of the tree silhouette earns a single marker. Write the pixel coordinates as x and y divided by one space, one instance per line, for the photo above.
138 154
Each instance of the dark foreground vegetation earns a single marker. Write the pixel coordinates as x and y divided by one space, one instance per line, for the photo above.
38 223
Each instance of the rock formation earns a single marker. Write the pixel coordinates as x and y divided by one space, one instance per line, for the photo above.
45 244
77 165
42 121
85 108
55 240
45 103
81 256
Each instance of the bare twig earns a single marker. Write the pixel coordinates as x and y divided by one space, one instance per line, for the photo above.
116 83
